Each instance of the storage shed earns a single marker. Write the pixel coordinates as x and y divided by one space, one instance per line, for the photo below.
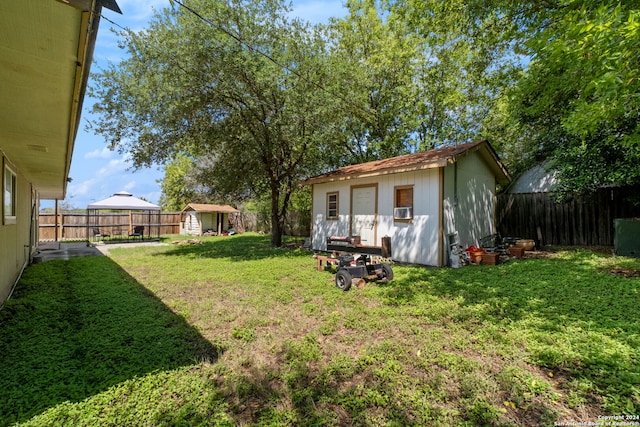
198 219
417 200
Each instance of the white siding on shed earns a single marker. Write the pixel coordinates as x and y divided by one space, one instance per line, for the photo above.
197 223
411 242
323 227
470 200
191 224
206 221
417 241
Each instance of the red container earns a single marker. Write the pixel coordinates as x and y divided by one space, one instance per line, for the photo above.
475 254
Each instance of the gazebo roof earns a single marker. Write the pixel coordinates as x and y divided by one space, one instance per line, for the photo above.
124 200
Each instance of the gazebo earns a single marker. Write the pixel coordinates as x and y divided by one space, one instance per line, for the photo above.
123 218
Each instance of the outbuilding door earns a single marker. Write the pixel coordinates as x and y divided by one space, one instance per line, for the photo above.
364 203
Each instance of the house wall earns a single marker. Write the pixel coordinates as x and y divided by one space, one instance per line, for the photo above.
411 242
469 200
15 239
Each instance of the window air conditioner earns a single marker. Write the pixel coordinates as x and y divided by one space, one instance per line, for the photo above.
402 213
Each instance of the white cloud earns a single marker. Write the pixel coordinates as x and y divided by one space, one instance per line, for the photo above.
140 10
114 167
129 186
151 196
135 14
83 188
105 153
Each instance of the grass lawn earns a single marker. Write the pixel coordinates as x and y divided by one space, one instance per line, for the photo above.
234 332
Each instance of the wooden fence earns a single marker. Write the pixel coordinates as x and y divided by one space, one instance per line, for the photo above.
585 220
73 225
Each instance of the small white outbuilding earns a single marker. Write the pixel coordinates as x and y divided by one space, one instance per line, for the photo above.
199 218
417 200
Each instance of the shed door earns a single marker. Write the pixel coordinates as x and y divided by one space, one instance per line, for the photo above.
363 213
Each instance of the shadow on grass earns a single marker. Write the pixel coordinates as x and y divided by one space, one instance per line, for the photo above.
75 328
239 247
302 391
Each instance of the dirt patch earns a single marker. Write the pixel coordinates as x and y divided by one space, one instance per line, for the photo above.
294 245
623 271
187 242
539 254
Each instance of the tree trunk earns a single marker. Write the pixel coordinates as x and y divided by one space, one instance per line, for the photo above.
276 230
276 221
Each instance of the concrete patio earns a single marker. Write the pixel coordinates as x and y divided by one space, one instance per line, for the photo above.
48 251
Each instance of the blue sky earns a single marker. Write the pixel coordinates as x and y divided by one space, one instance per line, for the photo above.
97 172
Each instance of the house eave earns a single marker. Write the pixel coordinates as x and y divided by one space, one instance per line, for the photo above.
46 50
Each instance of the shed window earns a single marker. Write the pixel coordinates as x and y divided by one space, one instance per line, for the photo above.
332 205
403 203
9 196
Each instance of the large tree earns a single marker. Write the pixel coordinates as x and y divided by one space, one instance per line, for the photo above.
373 56
466 59
234 83
178 185
420 73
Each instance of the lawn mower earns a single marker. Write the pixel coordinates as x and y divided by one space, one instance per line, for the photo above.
350 267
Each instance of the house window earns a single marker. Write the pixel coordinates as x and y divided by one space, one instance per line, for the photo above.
332 205
403 203
9 196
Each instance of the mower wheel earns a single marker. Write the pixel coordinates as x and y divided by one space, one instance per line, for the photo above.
387 273
343 280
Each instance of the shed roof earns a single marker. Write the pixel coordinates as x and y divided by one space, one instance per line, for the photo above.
203 207
124 200
439 157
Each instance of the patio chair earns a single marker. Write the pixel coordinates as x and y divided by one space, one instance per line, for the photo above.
138 231
493 243
98 234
